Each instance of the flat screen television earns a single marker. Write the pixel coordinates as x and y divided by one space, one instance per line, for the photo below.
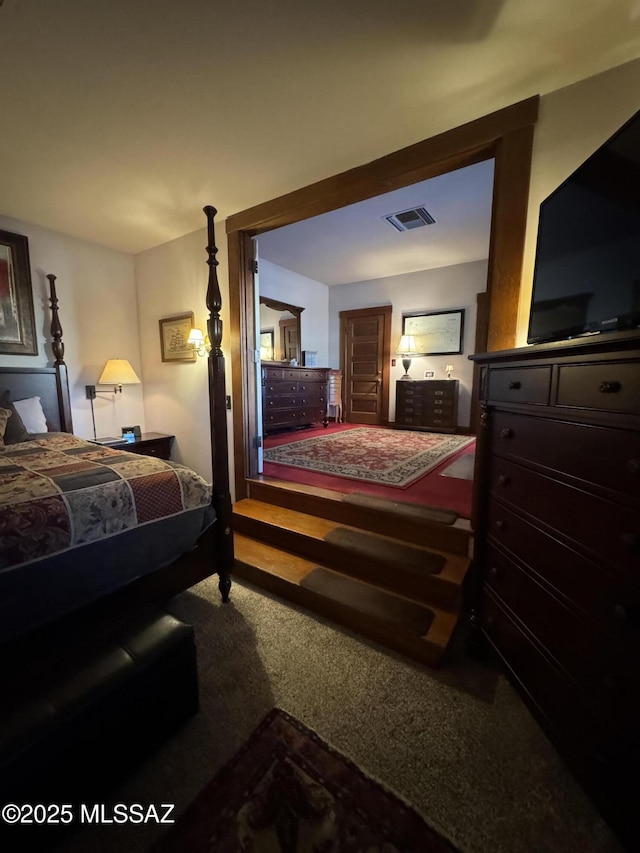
587 267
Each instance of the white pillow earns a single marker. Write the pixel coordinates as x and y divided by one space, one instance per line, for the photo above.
30 411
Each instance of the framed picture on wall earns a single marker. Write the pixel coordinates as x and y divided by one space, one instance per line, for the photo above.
436 332
174 334
17 321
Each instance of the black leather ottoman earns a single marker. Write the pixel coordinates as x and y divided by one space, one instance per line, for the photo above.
82 706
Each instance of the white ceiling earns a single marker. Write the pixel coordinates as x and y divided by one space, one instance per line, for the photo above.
121 119
356 243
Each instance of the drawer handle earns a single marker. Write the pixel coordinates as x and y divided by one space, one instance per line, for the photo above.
504 480
515 386
609 387
500 524
632 541
494 572
507 432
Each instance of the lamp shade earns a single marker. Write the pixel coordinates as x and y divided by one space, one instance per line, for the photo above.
196 338
407 346
118 371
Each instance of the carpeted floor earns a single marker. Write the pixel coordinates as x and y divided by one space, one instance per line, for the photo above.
287 790
457 744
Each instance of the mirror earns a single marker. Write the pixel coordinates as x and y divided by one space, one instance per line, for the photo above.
280 338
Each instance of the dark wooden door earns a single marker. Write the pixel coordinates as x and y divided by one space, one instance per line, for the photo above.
366 339
289 339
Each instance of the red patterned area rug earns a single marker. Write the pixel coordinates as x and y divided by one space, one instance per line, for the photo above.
287 791
388 457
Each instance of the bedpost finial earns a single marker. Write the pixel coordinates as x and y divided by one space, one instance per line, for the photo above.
214 297
56 328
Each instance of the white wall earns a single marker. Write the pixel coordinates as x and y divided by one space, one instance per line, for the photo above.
429 290
172 279
98 312
573 123
288 286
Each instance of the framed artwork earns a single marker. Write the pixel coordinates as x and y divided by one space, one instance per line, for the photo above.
436 332
17 321
310 358
266 344
174 333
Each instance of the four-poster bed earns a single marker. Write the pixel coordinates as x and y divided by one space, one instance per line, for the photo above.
57 555
92 539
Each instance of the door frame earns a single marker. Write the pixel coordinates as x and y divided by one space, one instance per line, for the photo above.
386 352
505 135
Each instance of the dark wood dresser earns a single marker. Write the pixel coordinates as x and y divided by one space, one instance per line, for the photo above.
293 396
556 584
429 404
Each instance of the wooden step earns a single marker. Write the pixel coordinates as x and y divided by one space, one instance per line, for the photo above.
355 604
424 574
409 522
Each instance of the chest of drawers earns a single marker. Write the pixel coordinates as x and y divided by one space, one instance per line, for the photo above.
430 404
293 396
556 583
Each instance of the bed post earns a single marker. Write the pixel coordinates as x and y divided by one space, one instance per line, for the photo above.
62 377
220 497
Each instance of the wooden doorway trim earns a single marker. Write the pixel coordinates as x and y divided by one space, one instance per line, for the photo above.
386 353
505 135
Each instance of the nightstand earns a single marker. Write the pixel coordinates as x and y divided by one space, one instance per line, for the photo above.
149 444
427 404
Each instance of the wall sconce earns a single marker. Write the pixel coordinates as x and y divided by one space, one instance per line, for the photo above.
408 349
117 372
200 343
449 369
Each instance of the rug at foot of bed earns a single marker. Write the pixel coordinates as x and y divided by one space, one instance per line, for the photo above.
287 790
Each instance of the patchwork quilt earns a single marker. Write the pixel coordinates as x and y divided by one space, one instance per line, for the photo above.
60 492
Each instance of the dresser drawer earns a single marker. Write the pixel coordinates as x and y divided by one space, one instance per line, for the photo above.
608 387
519 385
596 662
313 397
281 402
607 457
272 373
560 702
601 596
280 418
439 394
435 420
311 414
609 530
280 389
303 375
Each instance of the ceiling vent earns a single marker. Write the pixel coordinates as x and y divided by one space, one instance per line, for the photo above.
407 220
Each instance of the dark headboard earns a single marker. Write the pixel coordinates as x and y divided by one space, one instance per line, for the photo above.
51 384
